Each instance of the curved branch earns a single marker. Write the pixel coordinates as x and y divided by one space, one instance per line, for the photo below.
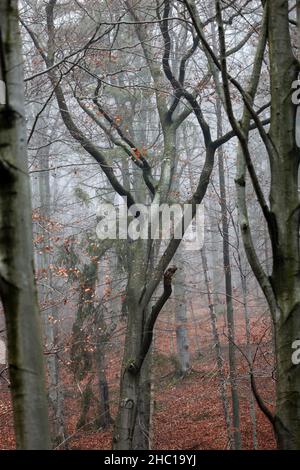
191 7
75 132
141 162
235 125
177 86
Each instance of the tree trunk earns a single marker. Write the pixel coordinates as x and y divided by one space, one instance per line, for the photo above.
45 290
130 381
228 289
182 339
248 347
284 202
141 437
217 345
105 419
17 284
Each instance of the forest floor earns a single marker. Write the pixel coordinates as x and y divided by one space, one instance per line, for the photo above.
187 412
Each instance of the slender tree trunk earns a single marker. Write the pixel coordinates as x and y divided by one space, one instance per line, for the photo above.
182 339
17 285
248 340
217 345
228 290
105 419
249 355
45 290
214 254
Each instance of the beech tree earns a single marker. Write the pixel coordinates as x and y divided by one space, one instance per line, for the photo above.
17 284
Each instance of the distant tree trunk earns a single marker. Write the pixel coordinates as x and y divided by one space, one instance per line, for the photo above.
80 354
244 287
102 338
17 285
249 355
82 358
105 419
104 333
45 289
197 334
214 254
182 340
217 345
228 288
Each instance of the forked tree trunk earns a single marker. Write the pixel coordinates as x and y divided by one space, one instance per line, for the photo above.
131 383
17 285
135 388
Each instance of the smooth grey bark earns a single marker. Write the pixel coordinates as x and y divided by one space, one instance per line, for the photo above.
130 382
284 232
134 409
17 284
142 428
